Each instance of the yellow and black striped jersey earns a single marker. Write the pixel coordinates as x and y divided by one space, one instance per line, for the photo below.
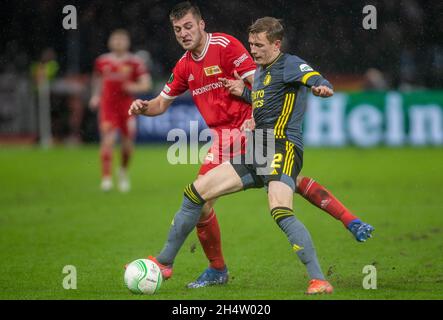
279 96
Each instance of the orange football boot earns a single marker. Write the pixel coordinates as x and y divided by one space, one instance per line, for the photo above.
166 270
317 286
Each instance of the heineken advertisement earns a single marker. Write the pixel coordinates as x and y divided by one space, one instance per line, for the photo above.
362 119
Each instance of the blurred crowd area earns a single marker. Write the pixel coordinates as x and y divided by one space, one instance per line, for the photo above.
405 52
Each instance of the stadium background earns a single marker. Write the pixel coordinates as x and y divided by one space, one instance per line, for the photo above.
389 93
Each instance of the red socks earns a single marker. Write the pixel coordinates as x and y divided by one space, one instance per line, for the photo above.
208 232
106 158
323 199
126 155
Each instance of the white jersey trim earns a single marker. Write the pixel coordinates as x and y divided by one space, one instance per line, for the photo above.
221 39
164 95
247 74
205 50
219 43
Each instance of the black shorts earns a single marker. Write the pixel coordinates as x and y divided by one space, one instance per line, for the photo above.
284 164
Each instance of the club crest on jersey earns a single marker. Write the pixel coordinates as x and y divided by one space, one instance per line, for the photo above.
212 70
209 157
267 79
125 69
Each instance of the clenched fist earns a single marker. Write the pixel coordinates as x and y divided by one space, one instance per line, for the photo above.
322 91
138 107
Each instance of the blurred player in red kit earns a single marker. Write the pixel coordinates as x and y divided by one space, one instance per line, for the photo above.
118 76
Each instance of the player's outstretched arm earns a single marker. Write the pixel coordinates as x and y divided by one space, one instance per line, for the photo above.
150 108
94 102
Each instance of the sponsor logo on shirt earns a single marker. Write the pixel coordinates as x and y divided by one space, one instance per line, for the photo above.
212 70
191 77
240 60
207 88
304 68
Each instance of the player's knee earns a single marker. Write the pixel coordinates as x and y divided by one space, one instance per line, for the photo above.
127 143
105 128
203 188
279 195
206 210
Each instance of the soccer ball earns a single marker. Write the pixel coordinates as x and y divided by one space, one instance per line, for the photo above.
143 276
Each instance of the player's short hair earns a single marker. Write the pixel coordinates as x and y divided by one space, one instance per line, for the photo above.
121 31
272 26
182 9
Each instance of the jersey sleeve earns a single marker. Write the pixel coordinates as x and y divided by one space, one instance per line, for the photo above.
177 83
297 70
236 57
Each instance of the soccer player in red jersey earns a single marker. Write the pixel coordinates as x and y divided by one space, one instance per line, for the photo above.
118 76
209 57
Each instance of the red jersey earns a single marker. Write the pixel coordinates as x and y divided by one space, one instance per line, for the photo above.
115 71
222 55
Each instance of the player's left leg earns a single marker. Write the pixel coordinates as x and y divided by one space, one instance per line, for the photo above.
322 198
219 181
280 203
281 183
128 130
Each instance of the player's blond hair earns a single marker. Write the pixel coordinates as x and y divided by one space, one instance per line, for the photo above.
272 26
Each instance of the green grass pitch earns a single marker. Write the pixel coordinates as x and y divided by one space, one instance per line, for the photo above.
53 214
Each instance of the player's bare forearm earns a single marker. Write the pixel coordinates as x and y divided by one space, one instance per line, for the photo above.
96 92
150 108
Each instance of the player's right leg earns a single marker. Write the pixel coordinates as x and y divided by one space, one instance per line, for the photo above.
208 233
107 140
322 198
217 182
